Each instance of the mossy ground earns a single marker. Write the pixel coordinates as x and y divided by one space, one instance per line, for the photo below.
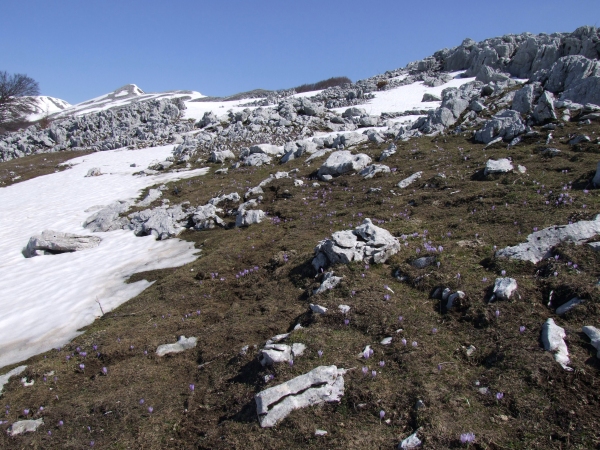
543 406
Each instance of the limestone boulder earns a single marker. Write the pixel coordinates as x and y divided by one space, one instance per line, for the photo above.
343 161
53 242
320 385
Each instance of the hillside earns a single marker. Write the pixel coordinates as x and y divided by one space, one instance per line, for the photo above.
229 221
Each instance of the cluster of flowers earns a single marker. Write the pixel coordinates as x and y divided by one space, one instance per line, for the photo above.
247 272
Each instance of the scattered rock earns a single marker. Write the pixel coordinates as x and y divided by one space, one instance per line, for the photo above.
578 139
257 159
108 218
234 197
366 242
504 288
221 157
205 217
453 297
553 338
594 334
502 165
318 309
94 172
344 309
329 282
596 180
320 385
24 426
539 244
182 344
246 218
54 242
566 307
423 261
427 97
391 150
372 170
277 353
506 124
320 433
343 161
544 110
411 442
410 180
386 341
470 350
161 222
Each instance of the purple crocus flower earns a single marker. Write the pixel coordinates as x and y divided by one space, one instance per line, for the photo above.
499 395
467 438
150 409
192 387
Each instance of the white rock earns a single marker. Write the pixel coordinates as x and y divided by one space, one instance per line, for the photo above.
521 169
249 217
594 334
386 341
344 309
24 426
320 432
502 165
504 288
318 309
410 442
94 172
410 180
553 338
372 170
4 378
564 308
298 183
322 384
539 244
58 242
329 282
343 161
26 383
182 344
275 353
278 338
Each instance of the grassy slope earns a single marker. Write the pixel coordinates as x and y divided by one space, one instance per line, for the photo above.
543 405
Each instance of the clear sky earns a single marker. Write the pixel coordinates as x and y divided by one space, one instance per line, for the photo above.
79 49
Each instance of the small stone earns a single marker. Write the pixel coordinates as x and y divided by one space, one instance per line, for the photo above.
386 341
320 433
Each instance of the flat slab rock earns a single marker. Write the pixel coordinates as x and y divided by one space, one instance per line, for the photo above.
502 165
410 180
51 242
366 242
539 244
24 426
181 345
320 385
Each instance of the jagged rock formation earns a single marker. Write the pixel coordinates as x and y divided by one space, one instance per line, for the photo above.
53 242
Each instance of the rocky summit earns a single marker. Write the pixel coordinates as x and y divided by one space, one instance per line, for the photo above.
407 261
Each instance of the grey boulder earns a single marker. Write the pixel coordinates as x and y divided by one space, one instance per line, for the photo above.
108 218
221 157
374 169
366 242
553 339
502 165
594 334
161 222
506 124
52 242
343 161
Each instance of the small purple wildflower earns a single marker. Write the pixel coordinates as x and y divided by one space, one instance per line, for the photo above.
499 395
365 370
434 330
373 373
346 322
320 353
60 423
503 273
414 344
403 342
150 409
82 366
104 370
467 438
26 412
522 329
192 387
141 401
381 414
381 363
497 313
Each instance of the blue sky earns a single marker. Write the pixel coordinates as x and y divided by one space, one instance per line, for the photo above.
77 50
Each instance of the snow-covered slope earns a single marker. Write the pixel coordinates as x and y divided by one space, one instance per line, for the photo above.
46 106
125 95
46 299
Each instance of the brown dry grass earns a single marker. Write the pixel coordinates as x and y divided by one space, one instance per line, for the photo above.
543 406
